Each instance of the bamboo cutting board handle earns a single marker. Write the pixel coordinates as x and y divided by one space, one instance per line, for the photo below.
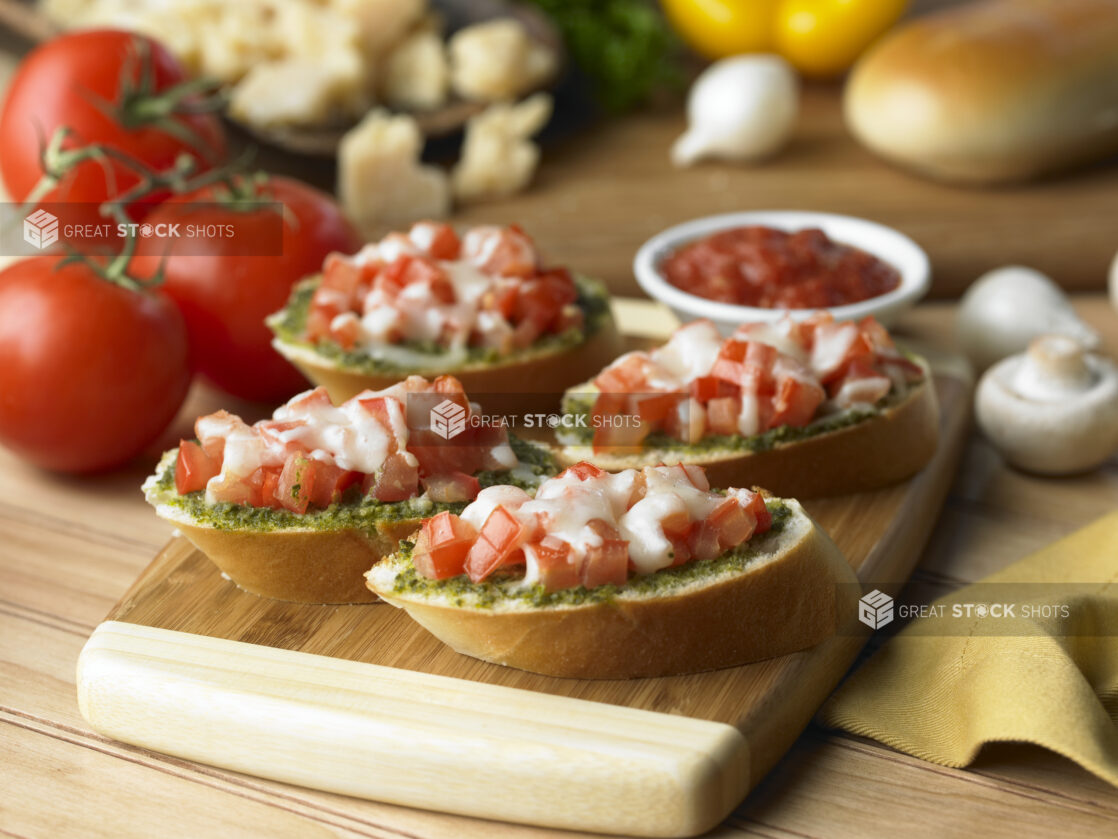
410 738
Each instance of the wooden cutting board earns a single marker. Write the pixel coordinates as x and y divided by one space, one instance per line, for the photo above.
361 701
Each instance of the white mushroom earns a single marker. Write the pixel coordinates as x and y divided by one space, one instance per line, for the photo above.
1052 410
1008 307
740 108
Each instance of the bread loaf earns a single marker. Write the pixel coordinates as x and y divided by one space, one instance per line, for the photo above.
992 92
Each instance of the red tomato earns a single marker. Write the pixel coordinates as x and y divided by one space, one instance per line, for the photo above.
75 81
225 295
734 524
194 467
90 373
553 559
451 487
397 480
496 545
441 547
608 562
582 470
296 483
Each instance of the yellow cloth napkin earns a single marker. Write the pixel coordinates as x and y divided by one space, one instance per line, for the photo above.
942 688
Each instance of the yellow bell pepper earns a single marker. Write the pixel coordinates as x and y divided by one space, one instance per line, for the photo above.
820 38
823 38
718 28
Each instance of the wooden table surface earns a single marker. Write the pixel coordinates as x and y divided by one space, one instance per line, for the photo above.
70 547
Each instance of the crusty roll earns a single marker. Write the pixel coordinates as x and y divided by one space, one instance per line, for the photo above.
880 450
787 597
994 91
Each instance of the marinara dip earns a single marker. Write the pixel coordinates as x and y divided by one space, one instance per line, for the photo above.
775 269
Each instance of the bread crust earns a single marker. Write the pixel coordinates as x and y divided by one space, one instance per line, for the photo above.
991 92
300 565
878 451
537 381
789 601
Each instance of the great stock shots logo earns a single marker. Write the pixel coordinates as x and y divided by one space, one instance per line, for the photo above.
875 610
448 419
40 229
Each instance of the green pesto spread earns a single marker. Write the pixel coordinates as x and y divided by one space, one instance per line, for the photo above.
486 594
289 325
353 511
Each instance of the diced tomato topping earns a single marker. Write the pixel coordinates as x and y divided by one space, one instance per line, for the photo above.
330 482
656 409
677 524
760 512
706 388
423 271
621 435
502 299
722 415
345 330
627 375
697 476
796 401
452 487
445 243
508 251
269 489
704 541
732 523
608 562
497 545
234 490
296 483
398 479
556 568
194 467
311 399
582 470
442 545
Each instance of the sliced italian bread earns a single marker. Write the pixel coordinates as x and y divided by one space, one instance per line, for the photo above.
854 451
313 557
536 375
780 592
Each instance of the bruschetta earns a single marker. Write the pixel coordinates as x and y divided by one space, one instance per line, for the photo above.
643 572
298 506
480 307
805 409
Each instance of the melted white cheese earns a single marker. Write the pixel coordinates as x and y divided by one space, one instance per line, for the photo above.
565 506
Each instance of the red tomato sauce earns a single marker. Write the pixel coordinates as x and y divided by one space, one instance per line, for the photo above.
773 269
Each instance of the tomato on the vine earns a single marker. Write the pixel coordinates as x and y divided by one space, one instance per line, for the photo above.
90 371
226 285
117 89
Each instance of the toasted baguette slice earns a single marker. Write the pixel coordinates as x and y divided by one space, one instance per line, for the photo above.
780 592
890 445
318 557
537 375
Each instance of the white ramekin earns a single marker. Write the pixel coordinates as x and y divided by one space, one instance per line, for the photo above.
883 242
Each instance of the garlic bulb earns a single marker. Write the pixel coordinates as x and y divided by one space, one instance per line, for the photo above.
1052 410
1006 308
740 108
